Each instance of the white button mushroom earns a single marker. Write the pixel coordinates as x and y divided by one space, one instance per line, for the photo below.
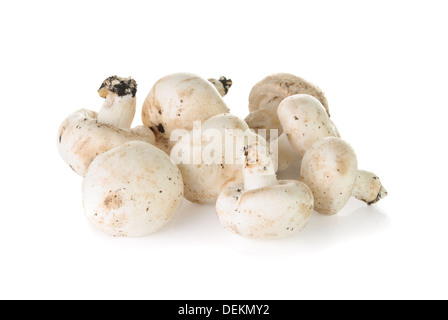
304 121
267 94
330 169
85 134
132 190
176 101
205 179
263 207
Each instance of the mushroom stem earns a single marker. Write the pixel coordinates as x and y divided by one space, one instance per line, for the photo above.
118 111
259 169
368 188
119 107
222 85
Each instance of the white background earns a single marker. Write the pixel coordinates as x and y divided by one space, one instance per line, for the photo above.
383 66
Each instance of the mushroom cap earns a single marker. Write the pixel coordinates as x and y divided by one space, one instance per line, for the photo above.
204 181
269 212
329 168
132 190
267 94
305 121
176 101
81 138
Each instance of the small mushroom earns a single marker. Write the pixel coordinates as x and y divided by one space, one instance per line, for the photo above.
86 134
132 190
330 169
267 94
176 101
215 140
263 207
222 85
304 121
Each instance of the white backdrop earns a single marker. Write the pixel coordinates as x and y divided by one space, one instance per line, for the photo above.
383 66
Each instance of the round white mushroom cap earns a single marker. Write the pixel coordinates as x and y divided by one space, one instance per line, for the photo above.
132 190
330 169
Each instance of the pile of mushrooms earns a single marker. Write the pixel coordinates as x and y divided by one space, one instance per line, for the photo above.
189 145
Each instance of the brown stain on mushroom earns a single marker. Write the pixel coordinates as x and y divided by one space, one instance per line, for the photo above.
112 224
118 222
148 172
266 223
318 159
144 112
251 159
305 209
200 196
228 182
263 229
274 98
80 148
113 201
343 165
233 228
86 150
185 93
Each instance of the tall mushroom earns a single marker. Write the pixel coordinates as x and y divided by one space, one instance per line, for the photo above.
86 134
176 101
330 169
132 190
263 207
